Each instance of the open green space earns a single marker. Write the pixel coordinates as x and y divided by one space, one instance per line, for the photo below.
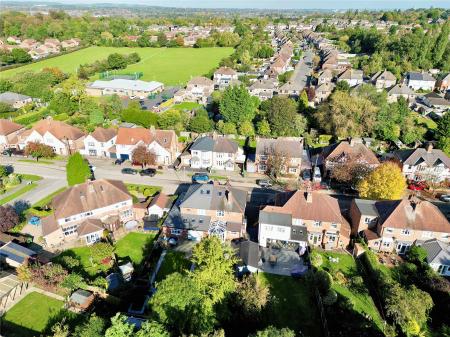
173 262
427 122
134 245
293 305
186 106
31 315
172 66
30 177
18 193
342 272
83 254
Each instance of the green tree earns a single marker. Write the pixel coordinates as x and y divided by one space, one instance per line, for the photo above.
386 182
152 329
417 254
74 281
342 86
119 327
252 296
20 55
3 171
303 103
117 61
237 106
172 120
408 307
101 250
271 331
263 128
246 129
227 128
94 327
134 114
200 123
77 170
283 117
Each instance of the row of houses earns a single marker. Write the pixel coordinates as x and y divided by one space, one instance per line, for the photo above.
37 49
215 152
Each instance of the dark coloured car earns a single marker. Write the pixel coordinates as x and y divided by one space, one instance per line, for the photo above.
119 161
306 175
148 172
129 171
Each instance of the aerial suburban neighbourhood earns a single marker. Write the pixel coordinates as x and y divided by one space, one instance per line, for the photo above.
242 169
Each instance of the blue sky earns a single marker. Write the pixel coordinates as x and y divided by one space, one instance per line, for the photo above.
282 4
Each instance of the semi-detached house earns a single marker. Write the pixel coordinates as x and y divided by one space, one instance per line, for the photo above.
83 212
398 224
100 143
303 218
213 152
63 138
162 143
8 133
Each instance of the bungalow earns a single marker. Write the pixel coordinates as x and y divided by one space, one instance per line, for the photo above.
213 152
288 149
123 87
8 133
398 224
300 218
420 81
224 76
427 164
100 143
83 212
15 100
63 138
438 255
444 83
400 90
71 43
352 76
383 79
199 90
163 143
208 209
263 89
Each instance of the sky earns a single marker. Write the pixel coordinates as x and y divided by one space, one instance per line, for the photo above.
279 4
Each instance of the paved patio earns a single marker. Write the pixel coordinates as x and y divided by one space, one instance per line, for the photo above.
286 260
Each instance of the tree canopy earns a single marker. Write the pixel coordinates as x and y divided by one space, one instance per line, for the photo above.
386 182
237 106
77 169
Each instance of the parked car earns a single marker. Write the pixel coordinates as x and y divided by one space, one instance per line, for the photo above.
445 198
417 185
119 161
317 177
148 172
200 178
264 183
306 175
128 170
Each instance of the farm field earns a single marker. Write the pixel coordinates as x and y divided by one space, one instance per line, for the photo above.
172 66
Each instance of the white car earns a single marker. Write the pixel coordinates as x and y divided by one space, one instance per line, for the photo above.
317 177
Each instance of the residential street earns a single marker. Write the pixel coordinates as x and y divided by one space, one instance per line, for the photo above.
303 70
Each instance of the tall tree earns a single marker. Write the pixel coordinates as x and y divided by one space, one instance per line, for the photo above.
386 182
119 327
77 170
283 117
237 106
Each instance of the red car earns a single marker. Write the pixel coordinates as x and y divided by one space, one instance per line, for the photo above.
417 186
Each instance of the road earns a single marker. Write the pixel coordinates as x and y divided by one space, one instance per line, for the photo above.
303 70
54 176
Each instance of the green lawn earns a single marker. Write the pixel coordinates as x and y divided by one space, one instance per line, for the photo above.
41 161
83 254
427 122
186 106
134 245
362 302
293 305
168 65
30 316
30 177
18 193
173 262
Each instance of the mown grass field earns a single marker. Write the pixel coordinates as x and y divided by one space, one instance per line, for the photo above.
172 66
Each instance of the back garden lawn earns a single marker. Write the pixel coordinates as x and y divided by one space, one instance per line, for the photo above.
32 315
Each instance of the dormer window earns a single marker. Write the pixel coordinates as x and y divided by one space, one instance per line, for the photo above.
406 231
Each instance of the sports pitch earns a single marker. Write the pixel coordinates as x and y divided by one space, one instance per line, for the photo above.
172 66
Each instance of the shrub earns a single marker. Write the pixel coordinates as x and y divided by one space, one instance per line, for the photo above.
330 298
70 262
316 259
357 284
323 281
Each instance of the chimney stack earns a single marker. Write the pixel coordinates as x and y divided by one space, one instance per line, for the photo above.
308 196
